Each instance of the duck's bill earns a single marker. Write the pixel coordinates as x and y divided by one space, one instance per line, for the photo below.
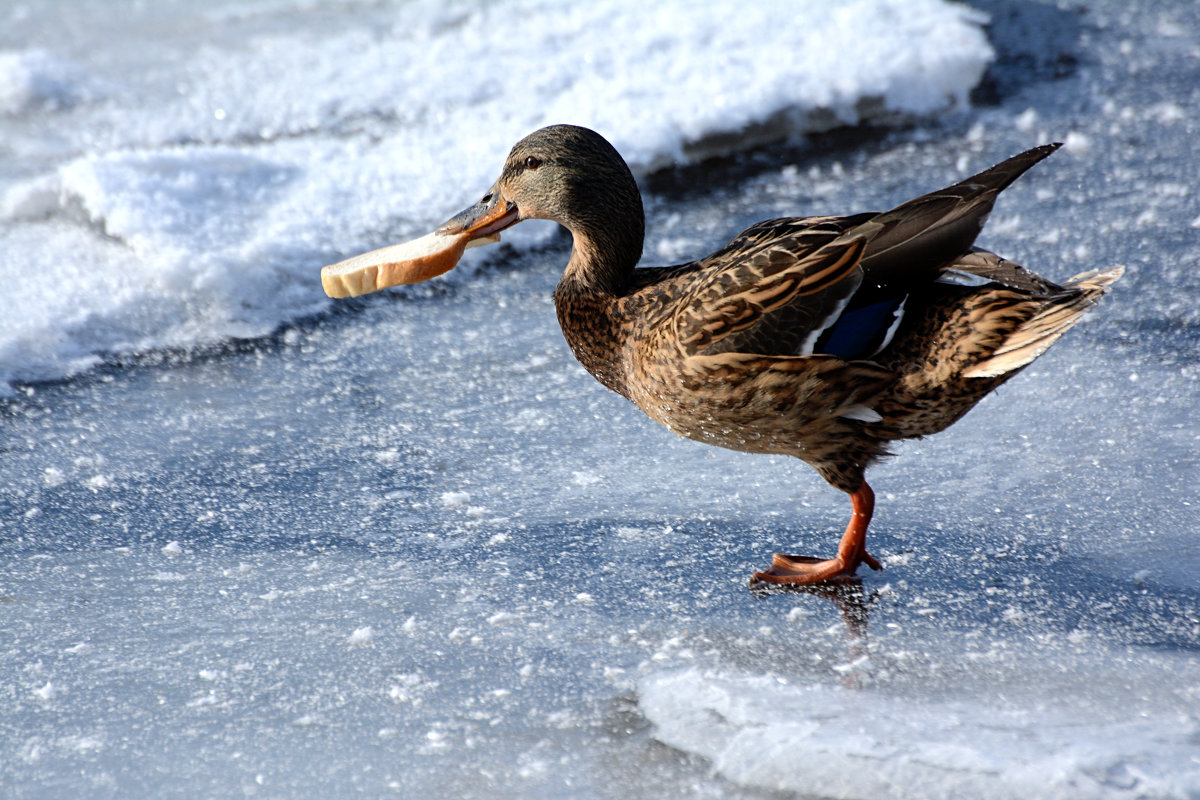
419 259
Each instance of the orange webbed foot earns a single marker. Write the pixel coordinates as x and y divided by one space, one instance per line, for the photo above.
806 570
852 551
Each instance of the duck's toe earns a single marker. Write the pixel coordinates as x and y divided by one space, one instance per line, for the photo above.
805 570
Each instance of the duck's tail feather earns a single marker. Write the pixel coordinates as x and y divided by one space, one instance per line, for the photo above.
1059 313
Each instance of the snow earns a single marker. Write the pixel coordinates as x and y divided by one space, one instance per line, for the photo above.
455 499
405 546
362 637
33 79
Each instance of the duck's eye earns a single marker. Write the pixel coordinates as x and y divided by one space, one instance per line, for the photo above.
532 162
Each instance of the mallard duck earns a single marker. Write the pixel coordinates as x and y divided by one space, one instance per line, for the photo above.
823 338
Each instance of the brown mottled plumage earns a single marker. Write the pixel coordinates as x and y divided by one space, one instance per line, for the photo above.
822 338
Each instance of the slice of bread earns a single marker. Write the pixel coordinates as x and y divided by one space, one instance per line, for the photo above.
411 262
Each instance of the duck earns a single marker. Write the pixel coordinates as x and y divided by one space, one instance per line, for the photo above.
825 338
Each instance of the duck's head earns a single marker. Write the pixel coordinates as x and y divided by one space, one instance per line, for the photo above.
564 173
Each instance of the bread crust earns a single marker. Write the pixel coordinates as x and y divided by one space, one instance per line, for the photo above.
410 262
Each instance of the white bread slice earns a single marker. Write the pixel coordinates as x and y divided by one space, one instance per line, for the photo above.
411 262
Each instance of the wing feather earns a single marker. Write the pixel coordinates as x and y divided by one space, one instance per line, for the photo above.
771 288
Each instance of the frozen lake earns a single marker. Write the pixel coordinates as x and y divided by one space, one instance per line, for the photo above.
253 543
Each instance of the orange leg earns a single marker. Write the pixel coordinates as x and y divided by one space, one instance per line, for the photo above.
852 551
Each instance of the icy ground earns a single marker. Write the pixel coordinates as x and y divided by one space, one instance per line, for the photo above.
407 547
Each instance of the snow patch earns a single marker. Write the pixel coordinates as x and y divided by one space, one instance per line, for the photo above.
362 637
455 499
46 692
818 740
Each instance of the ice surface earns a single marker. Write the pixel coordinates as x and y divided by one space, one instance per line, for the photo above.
198 205
853 743
407 547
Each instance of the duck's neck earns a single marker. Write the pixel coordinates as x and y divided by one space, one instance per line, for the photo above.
587 297
607 244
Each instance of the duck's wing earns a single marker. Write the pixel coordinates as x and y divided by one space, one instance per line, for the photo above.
772 290
833 285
